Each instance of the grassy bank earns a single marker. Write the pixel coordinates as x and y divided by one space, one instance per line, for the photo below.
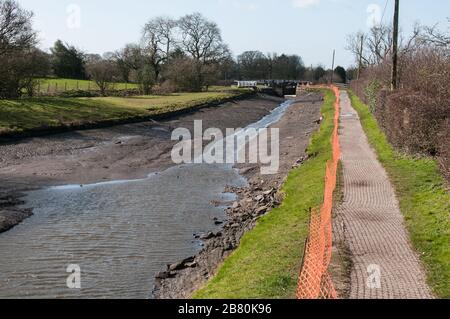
267 263
18 116
424 201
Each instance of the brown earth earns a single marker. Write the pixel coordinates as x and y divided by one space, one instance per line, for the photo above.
183 278
121 152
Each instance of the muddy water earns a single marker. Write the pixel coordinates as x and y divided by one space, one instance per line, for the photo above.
120 234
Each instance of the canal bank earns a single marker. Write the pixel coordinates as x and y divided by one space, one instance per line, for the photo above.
121 233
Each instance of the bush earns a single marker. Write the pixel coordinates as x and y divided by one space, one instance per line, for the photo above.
416 116
167 87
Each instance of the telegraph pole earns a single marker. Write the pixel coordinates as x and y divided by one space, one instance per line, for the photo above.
360 56
332 67
395 46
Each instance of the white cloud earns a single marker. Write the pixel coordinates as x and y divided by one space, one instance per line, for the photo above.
302 4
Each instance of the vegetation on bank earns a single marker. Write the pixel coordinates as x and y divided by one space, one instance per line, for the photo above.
268 260
20 115
424 201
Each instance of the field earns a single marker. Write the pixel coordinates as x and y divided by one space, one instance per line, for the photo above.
267 262
17 116
62 85
424 201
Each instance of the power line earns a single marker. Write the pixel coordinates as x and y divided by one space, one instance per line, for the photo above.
384 12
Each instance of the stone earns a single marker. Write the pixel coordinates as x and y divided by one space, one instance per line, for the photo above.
262 210
207 236
162 275
176 266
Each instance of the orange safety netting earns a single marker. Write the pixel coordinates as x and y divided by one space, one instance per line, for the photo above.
315 281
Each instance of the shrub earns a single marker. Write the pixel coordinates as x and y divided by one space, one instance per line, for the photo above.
415 117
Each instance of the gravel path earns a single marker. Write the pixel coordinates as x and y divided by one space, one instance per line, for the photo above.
384 264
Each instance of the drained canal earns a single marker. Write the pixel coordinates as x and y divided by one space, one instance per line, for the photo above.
120 233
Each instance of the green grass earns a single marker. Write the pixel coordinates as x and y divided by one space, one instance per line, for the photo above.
30 113
61 85
424 201
267 263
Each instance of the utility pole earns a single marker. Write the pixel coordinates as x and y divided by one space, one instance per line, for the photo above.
332 67
360 56
395 46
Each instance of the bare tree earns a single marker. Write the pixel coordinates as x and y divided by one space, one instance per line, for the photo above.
157 41
134 63
431 35
201 39
377 45
103 73
16 32
19 61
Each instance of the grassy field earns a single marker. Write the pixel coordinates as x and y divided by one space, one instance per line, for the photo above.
61 85
267 263
25 114
424 201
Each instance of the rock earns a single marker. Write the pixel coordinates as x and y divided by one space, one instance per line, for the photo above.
259 198
191 265
235 205
207 236
244 171
176 266
162 275
218 222
234 226
262 210
269 192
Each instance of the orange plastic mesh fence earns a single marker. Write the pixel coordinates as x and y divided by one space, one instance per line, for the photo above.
315 281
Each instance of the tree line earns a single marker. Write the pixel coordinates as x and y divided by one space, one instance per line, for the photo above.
185 54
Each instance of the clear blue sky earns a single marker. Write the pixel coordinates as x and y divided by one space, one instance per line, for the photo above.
310 28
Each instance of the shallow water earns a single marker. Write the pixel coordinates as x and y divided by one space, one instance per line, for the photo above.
120 233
